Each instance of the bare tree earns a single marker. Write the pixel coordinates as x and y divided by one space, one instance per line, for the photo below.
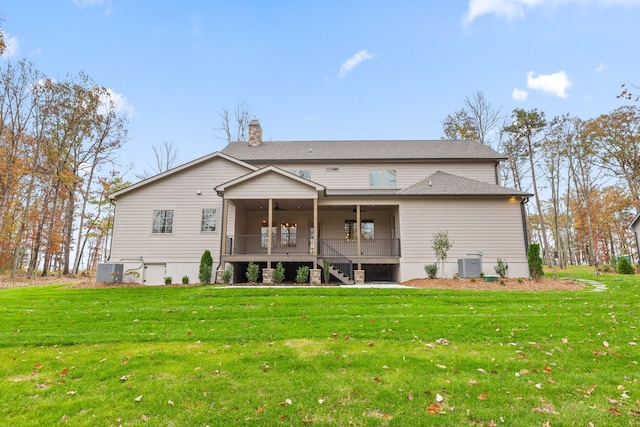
476 120
165 157
235 125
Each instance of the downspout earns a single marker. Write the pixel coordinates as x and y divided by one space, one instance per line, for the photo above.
113 202
524 201
496 170
221 233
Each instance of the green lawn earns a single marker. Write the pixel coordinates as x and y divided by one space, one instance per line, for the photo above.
323 357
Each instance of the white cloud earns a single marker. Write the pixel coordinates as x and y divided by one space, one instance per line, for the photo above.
119 102
353 62
511 9
11 46
555 84
519 94
601 67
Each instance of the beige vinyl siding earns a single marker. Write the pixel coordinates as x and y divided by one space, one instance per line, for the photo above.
493 226
356 175
178 192
268 185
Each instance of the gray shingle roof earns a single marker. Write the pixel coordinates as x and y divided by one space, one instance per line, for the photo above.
444 184
275 151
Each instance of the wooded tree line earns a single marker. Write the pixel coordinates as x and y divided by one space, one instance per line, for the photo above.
57 140
584 174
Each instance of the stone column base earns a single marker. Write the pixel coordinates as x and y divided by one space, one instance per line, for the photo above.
267 275
314 276
358 276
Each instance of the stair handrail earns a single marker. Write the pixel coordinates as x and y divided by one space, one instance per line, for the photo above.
339 261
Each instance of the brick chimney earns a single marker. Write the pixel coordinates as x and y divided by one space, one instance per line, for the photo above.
255 133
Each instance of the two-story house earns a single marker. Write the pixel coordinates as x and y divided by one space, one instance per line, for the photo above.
369 207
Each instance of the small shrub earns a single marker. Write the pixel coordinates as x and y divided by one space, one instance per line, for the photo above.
535 262
168 280
278 273
227 275
185 279
606 268
502 268
472 280
624 266
302 274
502 282
132 275
253 271
326 264
520 279
481 274
431 270
455 277
206 268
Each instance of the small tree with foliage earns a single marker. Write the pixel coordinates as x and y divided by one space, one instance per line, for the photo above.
502 268
227 276
206 266
326 265
278 273
253 271
441 245
624 266
535 261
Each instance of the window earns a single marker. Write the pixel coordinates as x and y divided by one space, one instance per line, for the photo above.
264 239
366 229
163 222
288 234
208 220
382 178
306 174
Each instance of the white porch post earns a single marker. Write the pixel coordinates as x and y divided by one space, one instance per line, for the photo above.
269 222
358 227
315 227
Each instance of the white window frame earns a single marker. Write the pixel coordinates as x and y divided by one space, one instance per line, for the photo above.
162 222
205 221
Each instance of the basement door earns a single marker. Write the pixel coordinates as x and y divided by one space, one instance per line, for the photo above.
154 274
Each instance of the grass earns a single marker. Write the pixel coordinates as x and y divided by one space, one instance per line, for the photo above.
322 357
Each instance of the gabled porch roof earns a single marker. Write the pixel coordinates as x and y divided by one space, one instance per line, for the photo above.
262 172
444 184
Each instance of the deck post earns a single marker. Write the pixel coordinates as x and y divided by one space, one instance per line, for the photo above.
269 222
358 232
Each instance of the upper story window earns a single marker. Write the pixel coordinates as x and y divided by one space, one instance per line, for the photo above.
162 222
382 178
208 222
302 173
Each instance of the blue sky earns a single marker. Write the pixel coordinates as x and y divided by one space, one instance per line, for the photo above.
329 69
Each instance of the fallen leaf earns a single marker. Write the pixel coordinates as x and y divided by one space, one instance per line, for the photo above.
547 424
481 370
633 343
370 344
439 398
547 369
306 421
410 396
433 409
71 393
64 372
260 410
387 416
321 401
605 343
634 413
564 340
492 424
138 399
482 396
590 390
64 419
170 402
143 417
472 382
615 411
286 402
441 366
38 365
